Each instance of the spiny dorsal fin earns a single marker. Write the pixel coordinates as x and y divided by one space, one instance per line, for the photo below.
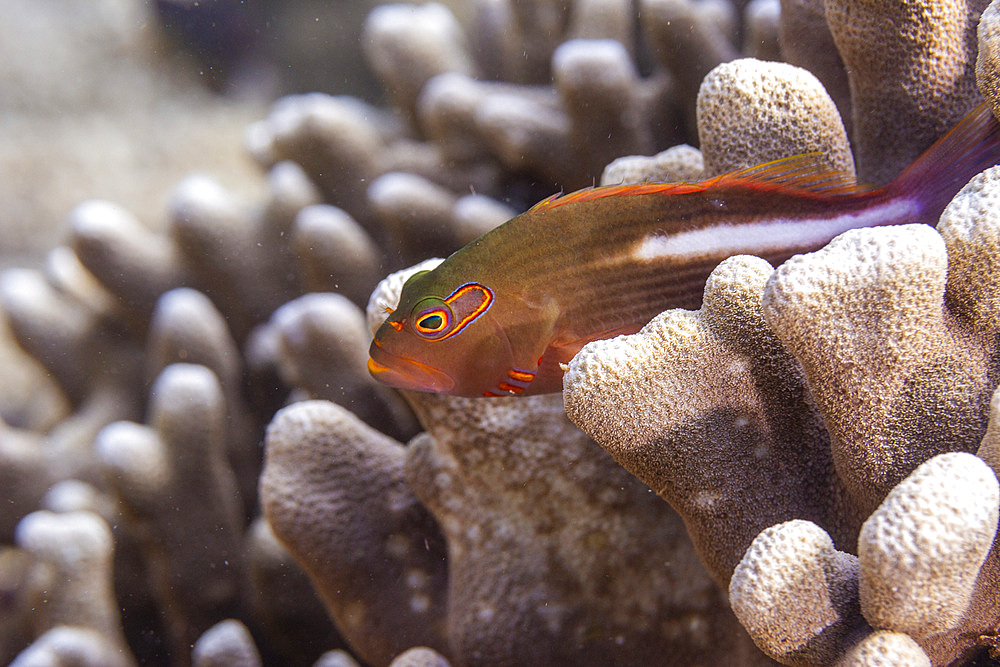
806 173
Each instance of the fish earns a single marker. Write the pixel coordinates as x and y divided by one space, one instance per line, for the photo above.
504 314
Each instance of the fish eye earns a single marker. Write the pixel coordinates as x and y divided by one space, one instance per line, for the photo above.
432 322
431 317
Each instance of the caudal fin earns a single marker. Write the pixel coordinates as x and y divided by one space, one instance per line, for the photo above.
936 176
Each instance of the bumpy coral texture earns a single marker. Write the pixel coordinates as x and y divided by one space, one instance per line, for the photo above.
712 452
333 490
807 43
678 163
738 97
988 60
885 649
898 55
908 594
525 99
420 656
501 533
489 474
853 365
927 542
795 589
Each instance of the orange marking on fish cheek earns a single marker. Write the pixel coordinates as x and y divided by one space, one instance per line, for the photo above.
520 376
510 388
375 367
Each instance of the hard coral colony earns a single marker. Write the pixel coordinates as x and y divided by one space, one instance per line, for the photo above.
826 433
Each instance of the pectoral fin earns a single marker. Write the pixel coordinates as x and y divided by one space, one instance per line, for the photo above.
558 354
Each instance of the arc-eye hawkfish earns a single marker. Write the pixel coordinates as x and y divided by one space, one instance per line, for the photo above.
502 314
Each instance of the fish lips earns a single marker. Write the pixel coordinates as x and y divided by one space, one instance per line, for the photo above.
404 373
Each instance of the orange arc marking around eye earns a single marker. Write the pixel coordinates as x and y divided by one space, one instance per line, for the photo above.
487 301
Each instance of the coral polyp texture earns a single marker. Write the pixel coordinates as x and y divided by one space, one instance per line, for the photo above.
844 370
198 468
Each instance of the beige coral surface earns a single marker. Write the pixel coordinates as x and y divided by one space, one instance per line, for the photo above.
845 369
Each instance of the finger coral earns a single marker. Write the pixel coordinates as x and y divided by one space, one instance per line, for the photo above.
268 503
73 646
71 582
796 594
739 97
927 542
633 396
334 492
181 456
846 369
419 656
225 643
886 322
988 59
928 53
909 591
490 475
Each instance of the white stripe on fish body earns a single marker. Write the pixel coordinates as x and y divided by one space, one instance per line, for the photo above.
767 236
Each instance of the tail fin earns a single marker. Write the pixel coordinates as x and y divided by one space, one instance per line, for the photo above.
936 176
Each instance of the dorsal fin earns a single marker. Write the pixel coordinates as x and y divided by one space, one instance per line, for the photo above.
805 173
808 172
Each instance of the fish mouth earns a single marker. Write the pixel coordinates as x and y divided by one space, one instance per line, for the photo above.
403 373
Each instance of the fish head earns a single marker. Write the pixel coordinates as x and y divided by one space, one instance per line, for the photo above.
441 341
